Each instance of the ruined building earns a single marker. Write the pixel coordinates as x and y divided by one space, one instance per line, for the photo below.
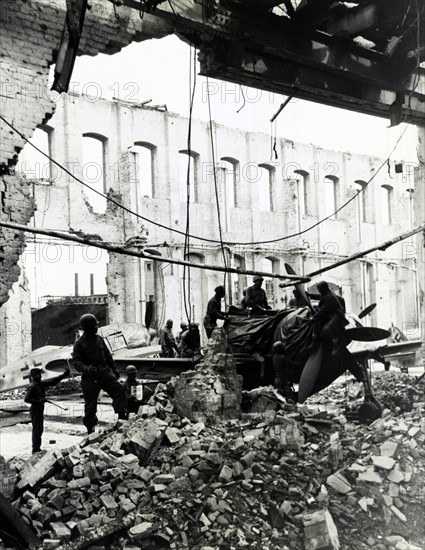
138 156
265 198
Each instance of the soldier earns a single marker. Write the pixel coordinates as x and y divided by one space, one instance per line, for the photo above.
183 328
191 343
297 300
94 361
167 340
330 315
130 388
214 310
36 396
256 296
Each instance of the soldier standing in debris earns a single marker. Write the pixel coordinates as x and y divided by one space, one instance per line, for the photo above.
190 345
130 387
214 310
94 361
167 340
36 397
183 328
256 296
330 315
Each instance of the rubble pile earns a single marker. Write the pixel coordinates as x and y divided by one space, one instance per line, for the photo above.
280 478
395 391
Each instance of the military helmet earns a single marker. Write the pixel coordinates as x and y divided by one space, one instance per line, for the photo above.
130 369
88 320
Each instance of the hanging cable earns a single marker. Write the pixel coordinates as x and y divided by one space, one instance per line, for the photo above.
186 248
217 198
243 97
205 239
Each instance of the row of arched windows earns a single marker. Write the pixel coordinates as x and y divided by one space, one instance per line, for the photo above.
142 173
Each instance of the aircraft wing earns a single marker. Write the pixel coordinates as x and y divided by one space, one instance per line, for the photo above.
127 355
386 350
52 359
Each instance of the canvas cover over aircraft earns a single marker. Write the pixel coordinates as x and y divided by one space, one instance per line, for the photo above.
129 344
252 339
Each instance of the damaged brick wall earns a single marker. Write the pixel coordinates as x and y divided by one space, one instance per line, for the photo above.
31 32
16 205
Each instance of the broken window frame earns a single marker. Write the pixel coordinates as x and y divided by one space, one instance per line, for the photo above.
100 206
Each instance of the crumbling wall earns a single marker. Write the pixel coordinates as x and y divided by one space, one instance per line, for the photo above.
17 206
31 33
15 323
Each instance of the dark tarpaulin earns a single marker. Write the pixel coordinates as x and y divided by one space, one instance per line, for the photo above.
293 327
253 334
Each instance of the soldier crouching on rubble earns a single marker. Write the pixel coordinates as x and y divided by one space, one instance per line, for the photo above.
330 316
130 387
36 397
190 344
93 360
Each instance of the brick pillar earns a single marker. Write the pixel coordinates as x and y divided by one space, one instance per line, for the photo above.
214 389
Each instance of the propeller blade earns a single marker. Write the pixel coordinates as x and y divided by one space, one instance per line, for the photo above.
309 374
367 334
366 311
300 288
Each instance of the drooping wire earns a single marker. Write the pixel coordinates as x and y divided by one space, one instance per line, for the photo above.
217 198
186 248
205 239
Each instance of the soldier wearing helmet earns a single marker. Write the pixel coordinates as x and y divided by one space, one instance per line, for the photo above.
214 310
36 397
329 317
256 296
94 361
191 343
130 387
167 340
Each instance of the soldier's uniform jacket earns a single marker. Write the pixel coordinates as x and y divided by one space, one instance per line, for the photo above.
256 297
92 350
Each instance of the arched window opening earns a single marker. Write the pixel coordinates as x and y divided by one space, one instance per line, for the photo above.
265 187
230 168
331 195
143 156
386 203
362 199
305 199
188 170
93 170
34 165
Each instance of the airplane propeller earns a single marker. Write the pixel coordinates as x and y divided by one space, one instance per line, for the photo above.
300 288
366 311
314 362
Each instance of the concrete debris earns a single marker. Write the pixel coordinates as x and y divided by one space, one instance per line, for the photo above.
263 481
